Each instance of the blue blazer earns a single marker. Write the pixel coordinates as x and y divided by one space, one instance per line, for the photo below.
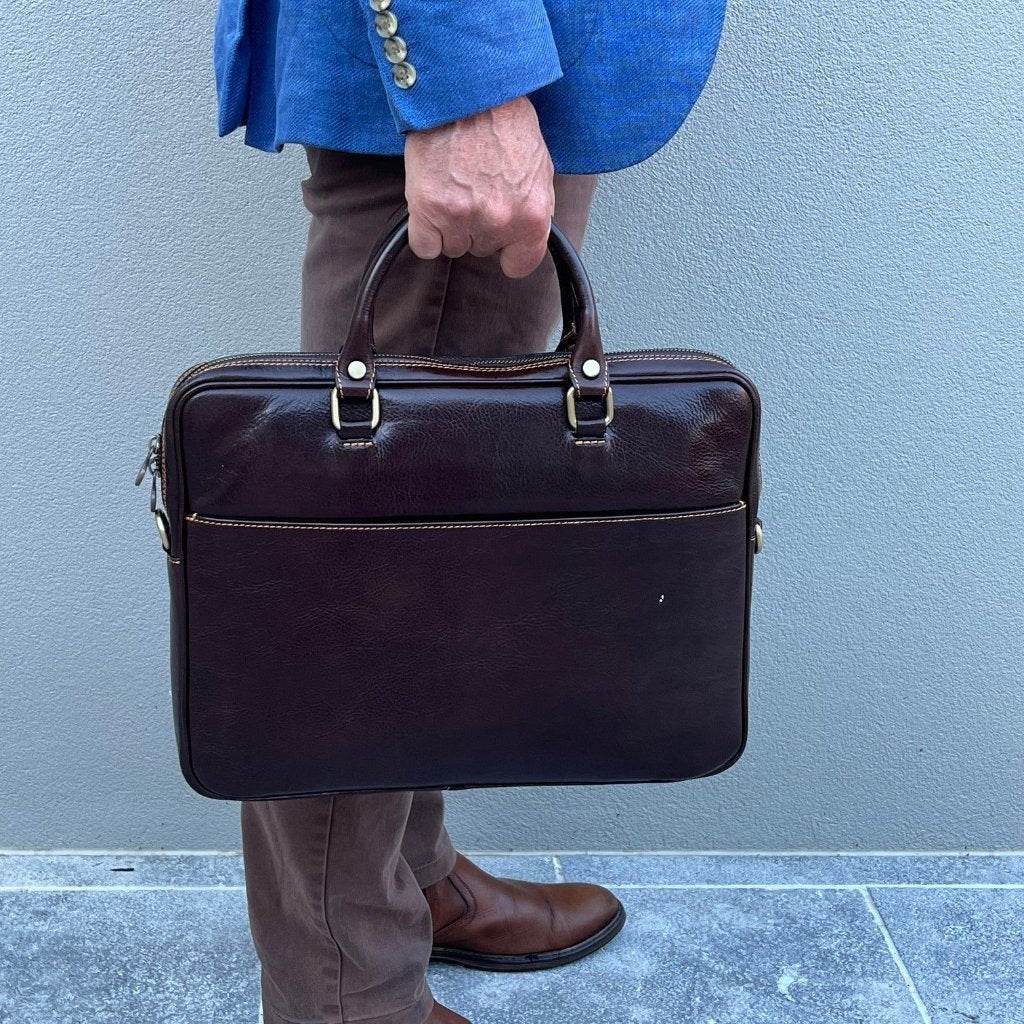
612 80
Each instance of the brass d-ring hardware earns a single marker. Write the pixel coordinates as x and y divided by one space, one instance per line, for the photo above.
374 409
570 407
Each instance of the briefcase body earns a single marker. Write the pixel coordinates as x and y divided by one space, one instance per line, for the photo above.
398 572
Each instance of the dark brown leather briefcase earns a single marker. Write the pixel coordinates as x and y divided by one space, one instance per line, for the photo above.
396 572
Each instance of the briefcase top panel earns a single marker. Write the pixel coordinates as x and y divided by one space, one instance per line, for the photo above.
252 437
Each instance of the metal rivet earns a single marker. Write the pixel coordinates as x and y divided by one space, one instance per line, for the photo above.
380 5
356 369
591 368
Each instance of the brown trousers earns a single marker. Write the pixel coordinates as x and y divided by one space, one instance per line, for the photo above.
334 884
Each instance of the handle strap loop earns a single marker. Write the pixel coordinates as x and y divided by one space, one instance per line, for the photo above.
355 372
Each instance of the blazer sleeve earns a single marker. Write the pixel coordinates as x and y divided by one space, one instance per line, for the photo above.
442 60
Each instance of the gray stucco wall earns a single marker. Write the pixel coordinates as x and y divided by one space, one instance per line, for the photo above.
841 216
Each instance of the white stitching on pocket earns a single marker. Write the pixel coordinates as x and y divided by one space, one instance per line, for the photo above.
201 520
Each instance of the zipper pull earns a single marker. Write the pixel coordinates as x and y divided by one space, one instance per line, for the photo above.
151 465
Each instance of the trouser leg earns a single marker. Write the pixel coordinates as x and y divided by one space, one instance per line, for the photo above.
487 313
426 845
334 883
443 306
338 918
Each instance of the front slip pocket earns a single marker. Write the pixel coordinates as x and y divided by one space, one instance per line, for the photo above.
333 657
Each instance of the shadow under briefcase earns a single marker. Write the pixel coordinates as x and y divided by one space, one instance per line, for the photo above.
398 572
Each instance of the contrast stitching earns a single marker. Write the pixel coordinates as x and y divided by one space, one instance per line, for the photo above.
473 369
195 372
206 521
622 357
616 358
216 364
496 369
371 382
598 440
549 359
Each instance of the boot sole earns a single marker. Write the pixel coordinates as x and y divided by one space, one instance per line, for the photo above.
532 961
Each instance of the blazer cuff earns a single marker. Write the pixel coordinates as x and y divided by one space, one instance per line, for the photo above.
441 60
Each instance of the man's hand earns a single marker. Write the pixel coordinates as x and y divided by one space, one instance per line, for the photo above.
482 185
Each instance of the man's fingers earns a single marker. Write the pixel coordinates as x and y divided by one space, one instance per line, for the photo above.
482 185
518 259
425 240
429 241
456 245
522 258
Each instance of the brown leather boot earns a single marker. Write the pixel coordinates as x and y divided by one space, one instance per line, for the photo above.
500 924
442 1015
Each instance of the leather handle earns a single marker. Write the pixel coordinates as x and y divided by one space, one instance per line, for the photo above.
567 296
581 335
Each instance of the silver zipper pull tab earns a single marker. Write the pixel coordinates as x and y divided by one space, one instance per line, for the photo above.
151 465
149 462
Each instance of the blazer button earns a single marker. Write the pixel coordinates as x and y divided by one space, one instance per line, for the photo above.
395 49
380 5
404 75
386 24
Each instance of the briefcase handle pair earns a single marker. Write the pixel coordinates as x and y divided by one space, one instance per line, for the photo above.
355 374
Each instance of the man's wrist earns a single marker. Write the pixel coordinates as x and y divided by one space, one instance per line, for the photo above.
510 109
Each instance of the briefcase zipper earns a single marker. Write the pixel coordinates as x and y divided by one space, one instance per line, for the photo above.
151 467
468 521
503 362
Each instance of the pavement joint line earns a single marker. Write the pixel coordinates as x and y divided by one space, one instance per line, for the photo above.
72 852
639 886
749 854
895 954
842 886
122 888
753 854
557 865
